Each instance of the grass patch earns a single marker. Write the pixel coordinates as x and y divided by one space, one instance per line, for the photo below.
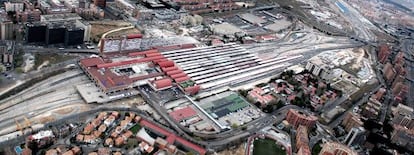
267 147
53 58
135 128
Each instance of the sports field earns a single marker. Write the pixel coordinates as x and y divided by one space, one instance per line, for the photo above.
267 147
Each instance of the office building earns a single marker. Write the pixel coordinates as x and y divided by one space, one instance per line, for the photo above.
74 36
355 137
36 32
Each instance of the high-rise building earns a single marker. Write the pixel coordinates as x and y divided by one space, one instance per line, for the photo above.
36 32
55 34
74 36
355 137
100 3
384 53
296 118
351 120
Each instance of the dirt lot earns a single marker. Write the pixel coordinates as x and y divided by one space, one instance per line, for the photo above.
99 28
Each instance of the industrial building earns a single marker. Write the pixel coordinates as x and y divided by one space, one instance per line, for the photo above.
223 65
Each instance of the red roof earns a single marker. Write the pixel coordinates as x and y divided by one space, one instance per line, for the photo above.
163 83
160 60
186 143
178 71
166 64
180 114
88 62
142 53
122 63
133 36
182 79
154 127
175 76
171 138
166 69
192 90
153 54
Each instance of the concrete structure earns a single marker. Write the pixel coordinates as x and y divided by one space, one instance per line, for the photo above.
296 118
351 120
334 148
355 137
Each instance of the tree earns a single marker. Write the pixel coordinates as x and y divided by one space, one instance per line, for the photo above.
234 126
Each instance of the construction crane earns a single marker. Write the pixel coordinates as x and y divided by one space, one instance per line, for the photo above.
27 122
19 126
